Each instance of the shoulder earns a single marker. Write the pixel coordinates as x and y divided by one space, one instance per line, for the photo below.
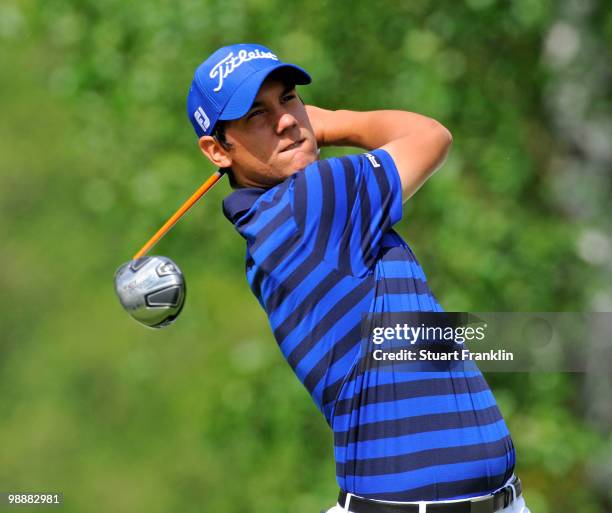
372 173
347 166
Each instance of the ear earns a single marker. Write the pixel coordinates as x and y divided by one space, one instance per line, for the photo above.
213 150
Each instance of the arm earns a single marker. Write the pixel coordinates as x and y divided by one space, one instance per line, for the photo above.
417 144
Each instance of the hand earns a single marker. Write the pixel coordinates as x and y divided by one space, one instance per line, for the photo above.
317 117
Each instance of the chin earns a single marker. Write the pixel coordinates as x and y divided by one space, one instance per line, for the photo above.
301 160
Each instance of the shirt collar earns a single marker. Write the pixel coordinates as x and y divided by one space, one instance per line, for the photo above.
236 204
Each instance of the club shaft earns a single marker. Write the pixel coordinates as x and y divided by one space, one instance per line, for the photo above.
206 186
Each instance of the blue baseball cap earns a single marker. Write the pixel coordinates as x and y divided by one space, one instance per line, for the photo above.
225 85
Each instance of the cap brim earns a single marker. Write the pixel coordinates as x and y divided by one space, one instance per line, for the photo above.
242 99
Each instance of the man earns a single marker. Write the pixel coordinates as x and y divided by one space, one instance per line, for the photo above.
321 254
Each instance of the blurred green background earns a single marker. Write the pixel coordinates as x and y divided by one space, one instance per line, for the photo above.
96 152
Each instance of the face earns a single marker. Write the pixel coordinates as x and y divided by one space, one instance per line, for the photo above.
273 140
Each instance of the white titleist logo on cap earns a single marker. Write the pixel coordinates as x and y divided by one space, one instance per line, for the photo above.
228 64
202 119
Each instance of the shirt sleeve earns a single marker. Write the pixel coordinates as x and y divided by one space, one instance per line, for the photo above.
344 206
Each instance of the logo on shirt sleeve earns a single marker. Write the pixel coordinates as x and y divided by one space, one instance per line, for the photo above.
372 160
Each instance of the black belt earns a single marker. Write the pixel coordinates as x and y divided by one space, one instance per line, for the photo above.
490 504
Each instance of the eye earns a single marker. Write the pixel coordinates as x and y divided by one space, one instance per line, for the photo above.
254 113
288 97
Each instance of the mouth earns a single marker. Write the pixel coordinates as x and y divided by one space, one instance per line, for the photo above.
293 146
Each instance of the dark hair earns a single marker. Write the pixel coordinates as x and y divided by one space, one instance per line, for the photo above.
219 134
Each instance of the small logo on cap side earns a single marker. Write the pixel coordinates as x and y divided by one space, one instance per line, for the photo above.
229 63
202 119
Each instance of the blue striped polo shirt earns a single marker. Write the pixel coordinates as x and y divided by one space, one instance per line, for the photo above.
322 254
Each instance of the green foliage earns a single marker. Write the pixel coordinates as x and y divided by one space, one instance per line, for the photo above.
96 152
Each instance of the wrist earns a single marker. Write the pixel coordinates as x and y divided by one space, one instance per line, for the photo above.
344 128
319 119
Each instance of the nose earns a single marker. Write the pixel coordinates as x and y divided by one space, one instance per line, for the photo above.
285 122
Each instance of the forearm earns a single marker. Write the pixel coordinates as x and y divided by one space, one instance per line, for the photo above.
417 144
368 130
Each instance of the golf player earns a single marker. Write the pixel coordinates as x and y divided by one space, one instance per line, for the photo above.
321 253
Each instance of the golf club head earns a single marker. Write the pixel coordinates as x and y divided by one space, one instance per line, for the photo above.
151 289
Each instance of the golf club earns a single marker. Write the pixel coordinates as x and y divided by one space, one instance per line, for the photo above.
152 289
